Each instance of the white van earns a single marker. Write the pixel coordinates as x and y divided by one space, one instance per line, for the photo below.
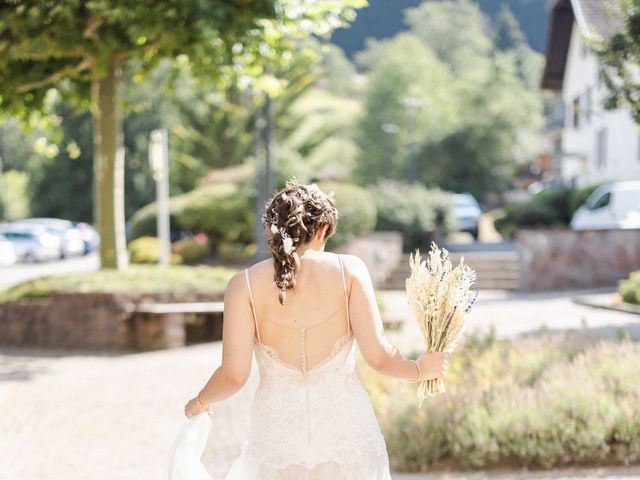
610 206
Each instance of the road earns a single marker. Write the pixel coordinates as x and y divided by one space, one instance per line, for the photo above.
22 272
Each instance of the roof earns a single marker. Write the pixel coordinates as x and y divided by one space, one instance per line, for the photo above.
599 18
595 18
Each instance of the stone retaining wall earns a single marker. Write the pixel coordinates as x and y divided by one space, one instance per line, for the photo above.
553 259
380 251
92 321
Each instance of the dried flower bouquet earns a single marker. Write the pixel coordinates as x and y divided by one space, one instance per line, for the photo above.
440 297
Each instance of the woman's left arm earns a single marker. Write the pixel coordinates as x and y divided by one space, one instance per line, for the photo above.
237 347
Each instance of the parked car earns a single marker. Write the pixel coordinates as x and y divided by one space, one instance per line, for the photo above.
71 242
466 214
89 236
610 206
8 255
32 244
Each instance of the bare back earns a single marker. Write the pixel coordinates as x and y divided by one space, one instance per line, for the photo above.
315 317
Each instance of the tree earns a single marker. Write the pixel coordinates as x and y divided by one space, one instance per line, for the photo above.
400 68
507 35
48 43
620 56
87 43
455 31
509 39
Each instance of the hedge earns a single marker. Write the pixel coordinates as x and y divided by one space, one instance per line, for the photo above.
413 210
356 208
547 208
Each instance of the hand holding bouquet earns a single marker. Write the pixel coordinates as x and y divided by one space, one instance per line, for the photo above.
440 298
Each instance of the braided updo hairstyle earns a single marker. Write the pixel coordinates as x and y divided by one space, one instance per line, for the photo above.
291 218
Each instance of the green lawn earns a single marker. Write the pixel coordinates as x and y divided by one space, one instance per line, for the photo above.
140 278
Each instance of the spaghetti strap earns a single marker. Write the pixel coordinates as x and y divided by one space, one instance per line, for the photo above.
346 297
253 311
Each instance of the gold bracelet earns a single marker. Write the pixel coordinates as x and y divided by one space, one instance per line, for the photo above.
200 401
417 379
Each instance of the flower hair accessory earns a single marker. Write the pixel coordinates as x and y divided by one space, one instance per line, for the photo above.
287 245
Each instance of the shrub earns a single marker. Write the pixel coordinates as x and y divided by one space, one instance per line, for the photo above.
143 223
224 211
236 252
630 288
547 208
357 211
413 210
147 250
537 402
191 249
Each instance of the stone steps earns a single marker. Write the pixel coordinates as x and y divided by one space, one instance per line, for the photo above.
496 270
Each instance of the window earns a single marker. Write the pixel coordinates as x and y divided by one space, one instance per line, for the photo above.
601 148
600 202
576 112
588 102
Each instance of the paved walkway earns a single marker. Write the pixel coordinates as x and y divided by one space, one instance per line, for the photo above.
96 417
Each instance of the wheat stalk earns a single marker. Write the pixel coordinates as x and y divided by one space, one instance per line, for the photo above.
440 298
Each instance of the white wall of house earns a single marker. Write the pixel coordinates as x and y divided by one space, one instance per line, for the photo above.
597 145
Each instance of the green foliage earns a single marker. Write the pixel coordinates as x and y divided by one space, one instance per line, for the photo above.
314 137
454 31
480 108
14 201
356 208
629 288
191 249
413 210
62 173
550 207
147 250
223 211
620 55
538 402
401 68
236 252
337 72
137 278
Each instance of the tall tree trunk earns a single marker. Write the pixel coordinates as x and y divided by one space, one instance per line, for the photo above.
109 168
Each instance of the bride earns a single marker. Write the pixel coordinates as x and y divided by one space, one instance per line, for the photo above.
302 313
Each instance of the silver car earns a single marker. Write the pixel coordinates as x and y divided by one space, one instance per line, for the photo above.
32 244
71 241
466 214
8 255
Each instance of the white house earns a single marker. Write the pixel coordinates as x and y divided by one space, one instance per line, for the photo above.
588 143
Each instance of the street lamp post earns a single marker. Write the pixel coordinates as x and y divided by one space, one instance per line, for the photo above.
159 161
412 105
263 152
390 129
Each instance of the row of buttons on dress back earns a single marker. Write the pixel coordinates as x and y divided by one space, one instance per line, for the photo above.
302 350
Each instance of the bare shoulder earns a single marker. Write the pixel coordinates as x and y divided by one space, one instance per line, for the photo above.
354 265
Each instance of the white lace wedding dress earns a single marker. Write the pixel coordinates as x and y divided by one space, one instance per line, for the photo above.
305 424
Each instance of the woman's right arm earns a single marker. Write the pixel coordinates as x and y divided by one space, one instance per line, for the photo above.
368 330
